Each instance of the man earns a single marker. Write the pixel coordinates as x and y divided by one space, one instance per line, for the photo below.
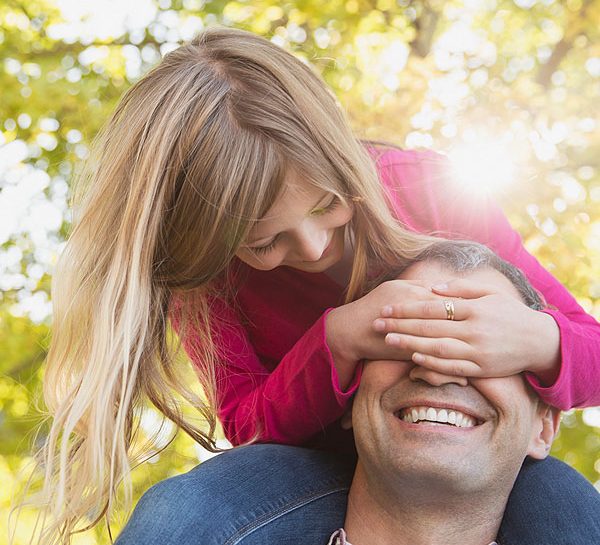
438 455
417 481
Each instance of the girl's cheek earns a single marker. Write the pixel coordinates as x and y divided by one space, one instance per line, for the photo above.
345 216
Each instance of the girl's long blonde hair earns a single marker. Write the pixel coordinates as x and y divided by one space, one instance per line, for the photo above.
196 151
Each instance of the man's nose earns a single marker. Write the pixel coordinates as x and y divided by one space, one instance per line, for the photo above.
434 378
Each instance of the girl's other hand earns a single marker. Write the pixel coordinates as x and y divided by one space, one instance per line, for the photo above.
349 328
492 334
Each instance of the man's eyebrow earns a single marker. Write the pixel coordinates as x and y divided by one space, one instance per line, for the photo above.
327 193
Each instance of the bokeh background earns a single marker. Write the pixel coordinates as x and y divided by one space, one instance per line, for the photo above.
509 89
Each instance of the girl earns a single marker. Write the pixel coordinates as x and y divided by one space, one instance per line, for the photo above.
229 196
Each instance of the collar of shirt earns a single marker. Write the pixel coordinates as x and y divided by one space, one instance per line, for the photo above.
339 538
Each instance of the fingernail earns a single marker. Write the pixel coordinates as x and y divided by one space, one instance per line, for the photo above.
386 311
392 338
418 358
379 325
440 287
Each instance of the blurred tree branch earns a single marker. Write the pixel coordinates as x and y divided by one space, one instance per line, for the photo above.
27 365
576 26
425 25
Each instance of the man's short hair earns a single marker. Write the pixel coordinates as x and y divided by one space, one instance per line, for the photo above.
461 256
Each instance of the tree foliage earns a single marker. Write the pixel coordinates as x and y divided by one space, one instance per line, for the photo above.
523 75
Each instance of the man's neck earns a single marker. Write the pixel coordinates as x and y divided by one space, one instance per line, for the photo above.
422 518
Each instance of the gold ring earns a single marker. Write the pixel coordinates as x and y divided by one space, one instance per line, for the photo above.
449 306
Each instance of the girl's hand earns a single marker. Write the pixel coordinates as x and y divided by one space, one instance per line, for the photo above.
349 328
492 334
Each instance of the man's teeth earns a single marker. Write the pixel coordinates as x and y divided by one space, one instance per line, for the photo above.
415 415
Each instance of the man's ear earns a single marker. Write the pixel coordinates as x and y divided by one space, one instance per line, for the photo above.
346 420
545 429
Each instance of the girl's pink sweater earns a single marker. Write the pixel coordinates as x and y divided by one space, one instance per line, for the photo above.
279 383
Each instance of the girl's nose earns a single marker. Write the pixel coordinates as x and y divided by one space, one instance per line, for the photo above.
312 243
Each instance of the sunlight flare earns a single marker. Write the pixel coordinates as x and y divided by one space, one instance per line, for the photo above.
485 163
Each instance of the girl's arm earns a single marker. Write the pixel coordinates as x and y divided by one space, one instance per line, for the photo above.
425 199
289 404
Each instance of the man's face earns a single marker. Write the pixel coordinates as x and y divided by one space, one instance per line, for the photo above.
492 423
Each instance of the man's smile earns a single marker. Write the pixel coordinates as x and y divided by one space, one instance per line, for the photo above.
444 413
434 415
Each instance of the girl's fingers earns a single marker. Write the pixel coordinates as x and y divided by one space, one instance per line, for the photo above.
464 288
421 328
444 347
437 379
435 309
447 367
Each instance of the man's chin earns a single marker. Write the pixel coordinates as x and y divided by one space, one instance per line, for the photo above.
436 450
430 470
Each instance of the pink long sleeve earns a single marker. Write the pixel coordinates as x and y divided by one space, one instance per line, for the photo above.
425 200
278 382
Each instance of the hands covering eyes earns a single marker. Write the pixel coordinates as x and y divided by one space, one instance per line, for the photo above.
492 334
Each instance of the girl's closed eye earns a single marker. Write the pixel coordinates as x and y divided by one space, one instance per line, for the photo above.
260 250
333 204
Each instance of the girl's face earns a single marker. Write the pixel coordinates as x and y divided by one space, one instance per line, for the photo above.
304 229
